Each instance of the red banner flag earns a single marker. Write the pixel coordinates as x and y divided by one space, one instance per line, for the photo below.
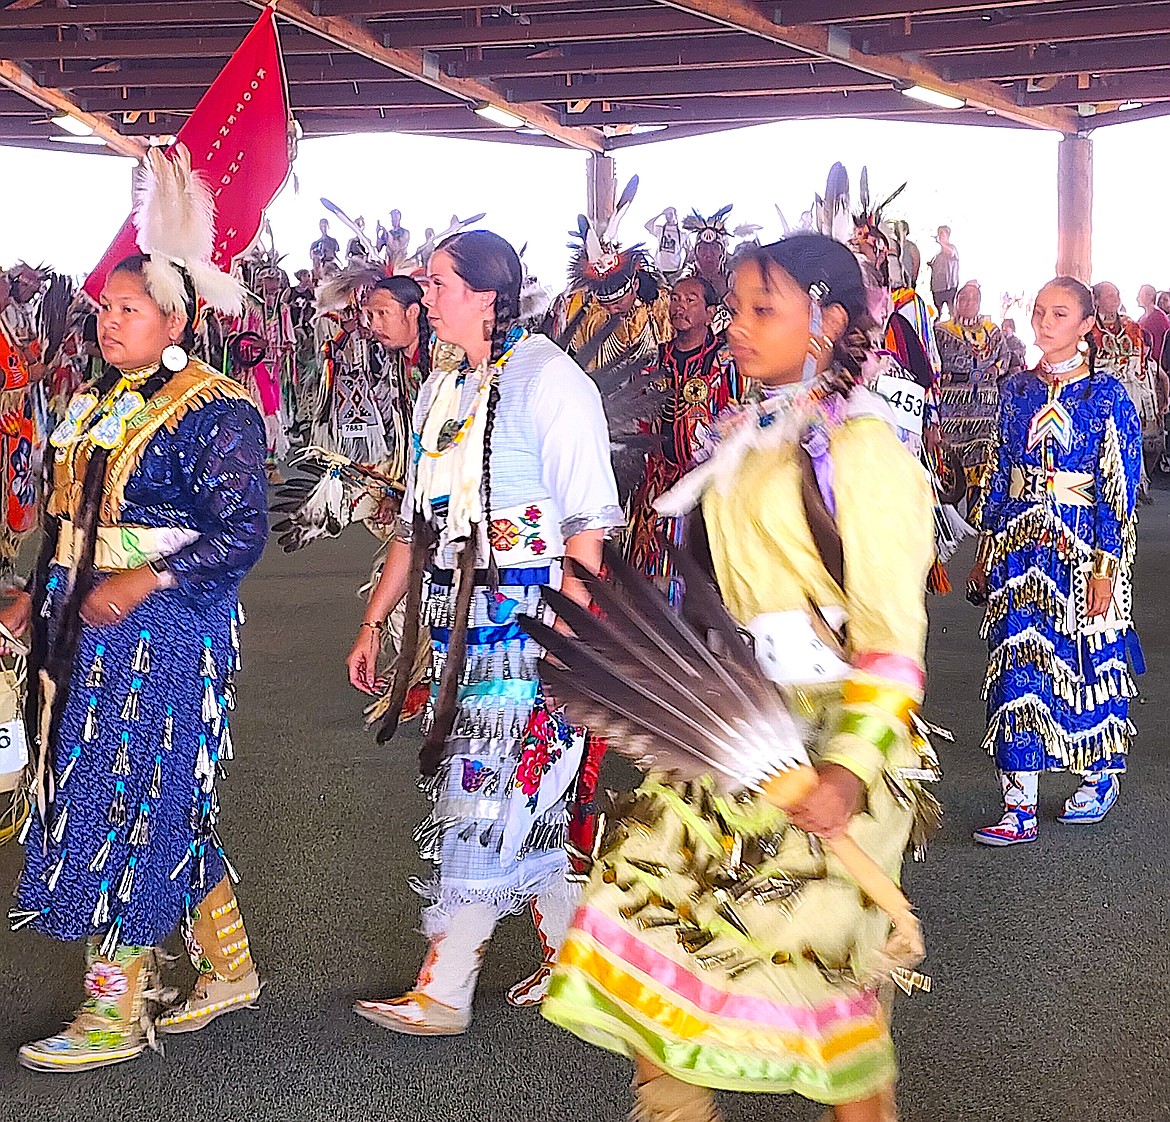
241 143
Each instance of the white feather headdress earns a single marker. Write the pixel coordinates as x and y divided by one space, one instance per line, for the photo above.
174 211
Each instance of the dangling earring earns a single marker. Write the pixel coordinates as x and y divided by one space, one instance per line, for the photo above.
175 358
488 329
817 346
811 361
1083 346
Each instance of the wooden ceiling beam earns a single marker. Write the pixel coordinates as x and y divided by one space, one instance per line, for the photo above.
181 46
820 42
859 11
746 82
107 15
372 10
369 9
417 64
1042 60
1120 117
1124 87
653 23
372 96
754 109
970 35
57 102
678 131
353 120
200 77
707 52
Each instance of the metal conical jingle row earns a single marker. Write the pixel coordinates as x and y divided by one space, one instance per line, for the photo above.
1027 592
438 608
1079 753
491 718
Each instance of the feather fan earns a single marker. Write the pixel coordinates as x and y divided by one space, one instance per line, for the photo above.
665 695
645 677
330 493
54 315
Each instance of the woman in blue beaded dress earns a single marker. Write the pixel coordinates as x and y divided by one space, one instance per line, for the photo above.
1055 564
157 511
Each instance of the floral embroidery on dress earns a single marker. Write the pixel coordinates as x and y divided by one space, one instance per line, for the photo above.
538 753
545 740
503 534
535 761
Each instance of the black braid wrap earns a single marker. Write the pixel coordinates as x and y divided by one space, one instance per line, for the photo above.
486 263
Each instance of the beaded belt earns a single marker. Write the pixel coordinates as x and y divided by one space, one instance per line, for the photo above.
123 547
1066 488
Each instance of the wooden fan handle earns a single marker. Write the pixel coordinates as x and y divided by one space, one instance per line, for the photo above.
793 785
879 887
790 786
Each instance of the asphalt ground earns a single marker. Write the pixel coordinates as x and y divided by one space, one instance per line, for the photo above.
1050 1001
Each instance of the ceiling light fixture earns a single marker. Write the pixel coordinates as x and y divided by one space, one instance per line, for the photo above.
72 125
95 141
1126 106
934 97
498 116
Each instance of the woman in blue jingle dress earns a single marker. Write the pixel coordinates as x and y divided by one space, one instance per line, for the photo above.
1055 563
158 509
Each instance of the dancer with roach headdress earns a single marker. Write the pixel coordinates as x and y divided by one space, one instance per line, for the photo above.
331 491
615 306
509 474
158 509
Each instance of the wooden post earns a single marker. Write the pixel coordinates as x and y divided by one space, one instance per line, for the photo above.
1074 207
601 180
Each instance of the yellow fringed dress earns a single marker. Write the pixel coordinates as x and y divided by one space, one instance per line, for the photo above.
714 939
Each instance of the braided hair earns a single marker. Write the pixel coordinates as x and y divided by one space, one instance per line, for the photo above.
485 262
408 293
56 657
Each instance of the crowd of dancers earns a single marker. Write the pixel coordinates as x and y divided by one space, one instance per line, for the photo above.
689 510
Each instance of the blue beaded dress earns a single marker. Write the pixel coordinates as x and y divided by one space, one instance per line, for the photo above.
1060 490
128 843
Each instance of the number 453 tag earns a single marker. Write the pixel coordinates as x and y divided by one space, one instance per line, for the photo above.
907 399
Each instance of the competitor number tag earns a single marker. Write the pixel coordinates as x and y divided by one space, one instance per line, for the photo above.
13 747
908 400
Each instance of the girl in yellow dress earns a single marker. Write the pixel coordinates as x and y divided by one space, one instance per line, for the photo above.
719 945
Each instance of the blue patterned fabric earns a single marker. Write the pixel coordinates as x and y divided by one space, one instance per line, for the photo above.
1057 699
477 781
130 842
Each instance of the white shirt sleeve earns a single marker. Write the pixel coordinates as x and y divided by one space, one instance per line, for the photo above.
573 436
